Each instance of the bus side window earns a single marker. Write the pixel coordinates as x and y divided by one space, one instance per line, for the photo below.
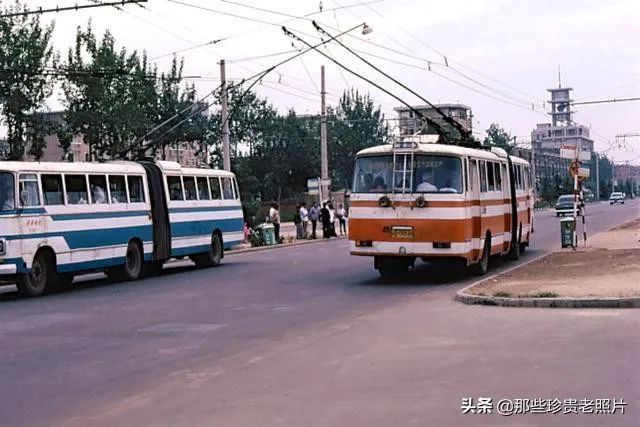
175 188
98 187
236 192
52 189
118 189
190 187
520 186
214 182
29 191
227 190
491 184
77 193
203 188
496 168
483 176
136 189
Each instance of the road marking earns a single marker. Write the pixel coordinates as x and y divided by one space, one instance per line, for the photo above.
184 328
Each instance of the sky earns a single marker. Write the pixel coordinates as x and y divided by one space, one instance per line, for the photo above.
497 56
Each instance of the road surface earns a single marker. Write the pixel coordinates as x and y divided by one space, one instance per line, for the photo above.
308 336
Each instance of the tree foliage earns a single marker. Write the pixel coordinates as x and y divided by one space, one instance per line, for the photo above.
110 94
25 53
498 137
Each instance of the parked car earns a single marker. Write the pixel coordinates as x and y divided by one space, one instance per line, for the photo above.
616 197
564 205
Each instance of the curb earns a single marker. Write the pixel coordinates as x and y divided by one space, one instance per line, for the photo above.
282 246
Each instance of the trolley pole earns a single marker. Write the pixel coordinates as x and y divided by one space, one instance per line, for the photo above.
226 157
324 167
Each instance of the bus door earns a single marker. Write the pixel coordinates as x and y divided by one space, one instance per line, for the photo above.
474 198
506 197
30 220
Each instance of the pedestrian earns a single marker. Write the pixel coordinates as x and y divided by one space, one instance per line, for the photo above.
274 218
304 214
332 221
297 221
342 219
247 232
325 218
314 216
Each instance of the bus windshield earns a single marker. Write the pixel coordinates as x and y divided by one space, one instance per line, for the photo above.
430 174
7 192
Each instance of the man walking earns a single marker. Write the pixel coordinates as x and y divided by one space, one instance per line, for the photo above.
304 215
297 221
314 216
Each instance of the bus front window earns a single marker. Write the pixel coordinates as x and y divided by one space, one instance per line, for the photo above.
430 174
7 192
373 174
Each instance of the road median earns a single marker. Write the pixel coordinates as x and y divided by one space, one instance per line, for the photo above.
605 274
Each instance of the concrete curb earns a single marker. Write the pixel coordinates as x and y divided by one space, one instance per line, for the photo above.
284 245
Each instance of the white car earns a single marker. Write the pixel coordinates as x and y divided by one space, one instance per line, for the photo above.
616 197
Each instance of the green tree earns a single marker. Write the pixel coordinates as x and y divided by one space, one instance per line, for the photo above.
355 124
25 54
110 94
498 137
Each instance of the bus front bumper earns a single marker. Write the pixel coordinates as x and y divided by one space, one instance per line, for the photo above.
8 270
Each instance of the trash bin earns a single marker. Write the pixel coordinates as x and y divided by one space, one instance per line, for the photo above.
567 226
268 234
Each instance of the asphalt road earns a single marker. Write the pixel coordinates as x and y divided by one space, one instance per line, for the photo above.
308 336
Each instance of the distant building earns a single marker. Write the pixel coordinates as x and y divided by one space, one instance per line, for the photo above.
410 123
627 172
550 137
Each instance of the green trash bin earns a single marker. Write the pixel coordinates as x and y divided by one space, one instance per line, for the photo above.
268 235
567 226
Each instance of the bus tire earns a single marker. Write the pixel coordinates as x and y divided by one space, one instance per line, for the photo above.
516 245
133 262
213 257
42 277
482 266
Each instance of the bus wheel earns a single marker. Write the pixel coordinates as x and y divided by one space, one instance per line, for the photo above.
42 276
133 262
390 267
516 244
482 266
213 257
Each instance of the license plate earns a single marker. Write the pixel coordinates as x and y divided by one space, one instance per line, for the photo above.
402 232
3 246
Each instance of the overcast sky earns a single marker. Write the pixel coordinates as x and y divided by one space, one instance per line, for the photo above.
511 48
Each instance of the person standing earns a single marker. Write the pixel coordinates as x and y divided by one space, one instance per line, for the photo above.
326 218
274 217
342 219
304 215
314 216
297 221
332 221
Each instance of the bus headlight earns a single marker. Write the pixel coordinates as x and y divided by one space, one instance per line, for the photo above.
3 246
384 202
421 202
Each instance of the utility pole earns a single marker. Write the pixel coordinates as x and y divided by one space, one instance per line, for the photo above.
324 167
226 158
597 177
533 169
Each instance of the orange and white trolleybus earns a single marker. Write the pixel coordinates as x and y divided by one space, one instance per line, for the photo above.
417 198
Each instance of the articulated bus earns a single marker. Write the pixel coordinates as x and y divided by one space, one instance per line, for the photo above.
124 218
416 198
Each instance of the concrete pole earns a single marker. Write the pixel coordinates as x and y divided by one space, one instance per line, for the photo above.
597 177
226 157
324 167
533 170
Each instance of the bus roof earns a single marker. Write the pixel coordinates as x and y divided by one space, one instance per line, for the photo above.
120 166
444 149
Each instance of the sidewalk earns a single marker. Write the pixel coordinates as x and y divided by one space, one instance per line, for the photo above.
288 232
607 270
